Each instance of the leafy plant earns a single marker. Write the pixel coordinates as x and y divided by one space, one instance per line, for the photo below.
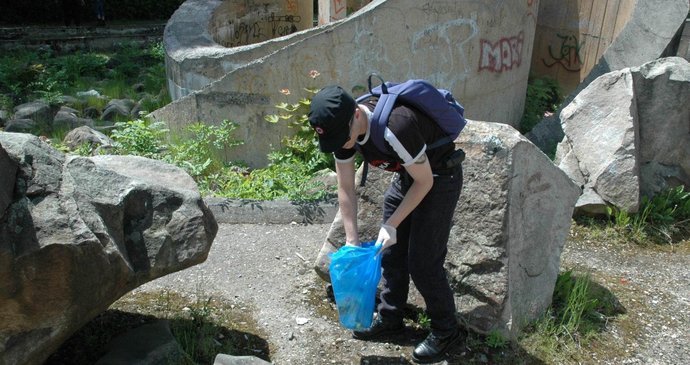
666 215
139 137
423 320
496 340
199 151
303 145
543 95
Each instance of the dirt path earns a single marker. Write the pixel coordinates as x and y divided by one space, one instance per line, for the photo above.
267 269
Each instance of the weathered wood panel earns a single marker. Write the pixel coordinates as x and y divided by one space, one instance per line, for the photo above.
573 35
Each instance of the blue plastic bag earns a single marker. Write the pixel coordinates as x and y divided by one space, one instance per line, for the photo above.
355 273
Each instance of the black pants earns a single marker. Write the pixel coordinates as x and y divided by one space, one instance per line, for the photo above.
421 251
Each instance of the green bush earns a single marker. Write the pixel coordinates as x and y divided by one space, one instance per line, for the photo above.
663 219
543 95
201 149
30 75
139 138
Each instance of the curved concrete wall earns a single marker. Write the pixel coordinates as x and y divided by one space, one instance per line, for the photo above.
195 56
478 49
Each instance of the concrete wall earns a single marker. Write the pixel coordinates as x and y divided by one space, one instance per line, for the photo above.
239 23
479 50
194 56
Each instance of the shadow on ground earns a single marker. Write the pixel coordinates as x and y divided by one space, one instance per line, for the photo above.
90 343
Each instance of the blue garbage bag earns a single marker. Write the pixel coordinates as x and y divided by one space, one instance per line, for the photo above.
355 273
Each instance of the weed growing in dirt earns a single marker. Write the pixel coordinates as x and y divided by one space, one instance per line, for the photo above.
579 313
203 326
664 218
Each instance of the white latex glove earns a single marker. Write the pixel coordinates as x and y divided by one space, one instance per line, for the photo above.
387 237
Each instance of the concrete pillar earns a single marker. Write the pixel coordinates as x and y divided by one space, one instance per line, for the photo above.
332 10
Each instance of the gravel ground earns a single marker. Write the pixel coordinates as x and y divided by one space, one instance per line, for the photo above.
267 269
654 288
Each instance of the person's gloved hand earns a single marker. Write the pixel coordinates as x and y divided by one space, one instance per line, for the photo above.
387 237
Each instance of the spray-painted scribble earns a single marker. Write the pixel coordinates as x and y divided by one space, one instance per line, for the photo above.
503 55
339 9
568 55
291 6
441 44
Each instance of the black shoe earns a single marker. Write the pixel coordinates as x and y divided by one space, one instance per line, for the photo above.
434 348
379 329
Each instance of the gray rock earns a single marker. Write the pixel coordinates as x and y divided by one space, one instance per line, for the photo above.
25 126
662 90
509 228
81 232
92 112
121 107
38 111
86 134
645 37
68 119
9 170
88 94
223 359
626 135
600 135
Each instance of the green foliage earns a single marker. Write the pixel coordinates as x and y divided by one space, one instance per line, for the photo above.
30 75
496 340
200 150
139 138
290 181
663 218
423 320
543 95
571 302
302 145
579 311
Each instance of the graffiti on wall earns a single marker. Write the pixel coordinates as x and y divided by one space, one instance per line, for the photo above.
291 6
502 55
568 55
444 45
258 24
339 9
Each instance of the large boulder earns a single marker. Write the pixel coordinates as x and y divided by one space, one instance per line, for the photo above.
40 112
626 135
81 232
67 119
599 149
509 229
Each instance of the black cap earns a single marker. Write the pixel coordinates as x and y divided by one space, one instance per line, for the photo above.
330 113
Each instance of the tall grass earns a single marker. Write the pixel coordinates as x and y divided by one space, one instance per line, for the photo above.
665 218
579 313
